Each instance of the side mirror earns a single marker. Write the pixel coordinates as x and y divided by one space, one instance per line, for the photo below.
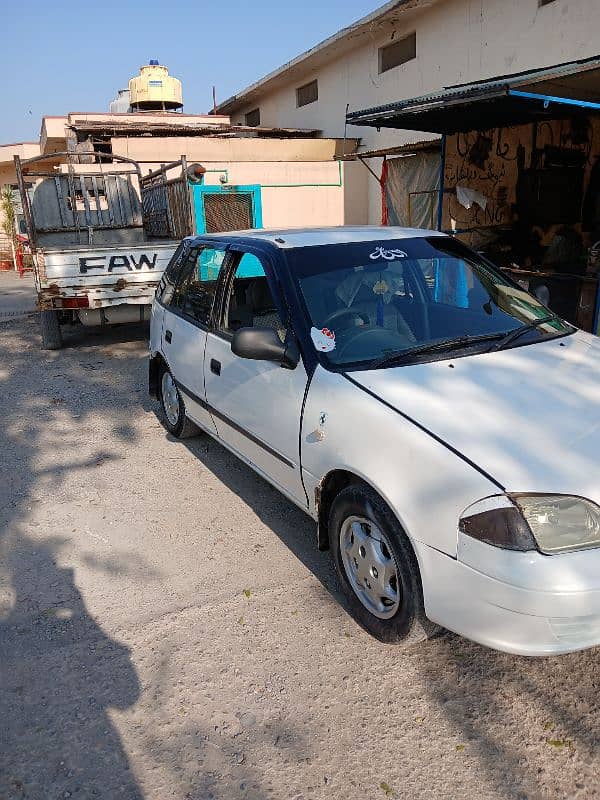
263 344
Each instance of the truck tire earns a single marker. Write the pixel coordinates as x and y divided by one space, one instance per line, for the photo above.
50 329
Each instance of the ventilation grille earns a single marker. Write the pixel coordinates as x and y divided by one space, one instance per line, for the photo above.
228 212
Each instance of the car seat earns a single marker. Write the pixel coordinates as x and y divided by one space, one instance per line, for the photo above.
259 300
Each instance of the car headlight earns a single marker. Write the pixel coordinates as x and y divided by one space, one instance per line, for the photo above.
550 523
560 522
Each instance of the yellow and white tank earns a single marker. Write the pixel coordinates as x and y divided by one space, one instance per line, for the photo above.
155 90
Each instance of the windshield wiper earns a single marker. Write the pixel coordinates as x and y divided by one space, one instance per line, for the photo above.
511 336
448 344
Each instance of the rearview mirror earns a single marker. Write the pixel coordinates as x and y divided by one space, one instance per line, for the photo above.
263 344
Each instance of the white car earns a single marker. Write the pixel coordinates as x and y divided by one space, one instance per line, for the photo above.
440 425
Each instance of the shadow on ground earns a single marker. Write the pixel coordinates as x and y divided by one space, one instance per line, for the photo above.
295 529
60 673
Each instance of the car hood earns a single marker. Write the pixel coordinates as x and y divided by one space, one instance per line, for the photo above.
528 416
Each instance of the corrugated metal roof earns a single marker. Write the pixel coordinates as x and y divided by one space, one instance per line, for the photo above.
171 128
397 150
579 79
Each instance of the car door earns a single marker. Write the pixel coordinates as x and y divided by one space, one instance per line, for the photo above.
256 405
185 327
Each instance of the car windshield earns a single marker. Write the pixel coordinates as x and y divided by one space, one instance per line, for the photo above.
406 300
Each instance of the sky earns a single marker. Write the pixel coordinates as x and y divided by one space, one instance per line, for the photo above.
61 56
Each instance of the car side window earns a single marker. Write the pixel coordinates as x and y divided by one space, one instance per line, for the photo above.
195 292
250 302
187 265
172 273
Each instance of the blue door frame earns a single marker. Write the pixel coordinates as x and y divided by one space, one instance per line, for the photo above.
199 190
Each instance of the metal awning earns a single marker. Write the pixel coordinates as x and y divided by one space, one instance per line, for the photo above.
565 90
408 149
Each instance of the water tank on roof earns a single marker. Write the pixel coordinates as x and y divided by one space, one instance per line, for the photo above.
120 105
155 90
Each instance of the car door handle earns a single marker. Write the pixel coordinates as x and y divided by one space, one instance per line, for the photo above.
215 366
168 336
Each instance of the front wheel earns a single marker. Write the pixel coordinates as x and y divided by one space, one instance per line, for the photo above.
377 567
173 408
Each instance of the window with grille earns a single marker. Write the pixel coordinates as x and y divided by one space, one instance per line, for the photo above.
396 53
306 94
253 118
231 211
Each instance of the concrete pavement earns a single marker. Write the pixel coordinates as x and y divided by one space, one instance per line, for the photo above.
17 295
169 630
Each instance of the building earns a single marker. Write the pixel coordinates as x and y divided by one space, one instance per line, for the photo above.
295 176
8 178
408 48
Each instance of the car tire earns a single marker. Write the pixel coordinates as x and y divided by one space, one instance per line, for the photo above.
50 330
174 417
377 568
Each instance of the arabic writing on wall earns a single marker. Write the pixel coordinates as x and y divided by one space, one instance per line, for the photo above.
489 161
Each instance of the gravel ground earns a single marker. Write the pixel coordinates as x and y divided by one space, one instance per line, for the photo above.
168 629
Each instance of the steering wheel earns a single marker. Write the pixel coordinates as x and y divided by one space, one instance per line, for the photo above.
419 306
342 313
369 340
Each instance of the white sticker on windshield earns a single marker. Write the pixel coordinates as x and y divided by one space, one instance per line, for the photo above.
323 339
387 255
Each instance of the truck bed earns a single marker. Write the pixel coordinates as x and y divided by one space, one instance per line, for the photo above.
107 275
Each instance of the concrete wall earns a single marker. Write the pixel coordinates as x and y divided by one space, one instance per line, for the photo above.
197 148
301 182
457 41
22 149
294 195
53 132
8 176
356 182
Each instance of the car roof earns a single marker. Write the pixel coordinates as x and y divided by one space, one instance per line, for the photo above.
288 238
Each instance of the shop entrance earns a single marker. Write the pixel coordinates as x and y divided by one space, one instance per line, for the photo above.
520 176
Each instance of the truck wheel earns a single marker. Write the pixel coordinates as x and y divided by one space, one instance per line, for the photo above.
377 568
50 328
173 408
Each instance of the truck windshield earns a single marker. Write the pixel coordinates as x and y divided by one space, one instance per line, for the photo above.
406 300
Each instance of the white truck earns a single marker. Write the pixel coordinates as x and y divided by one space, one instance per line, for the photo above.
100 234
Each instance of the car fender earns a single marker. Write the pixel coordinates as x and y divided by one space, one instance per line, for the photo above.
425 483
